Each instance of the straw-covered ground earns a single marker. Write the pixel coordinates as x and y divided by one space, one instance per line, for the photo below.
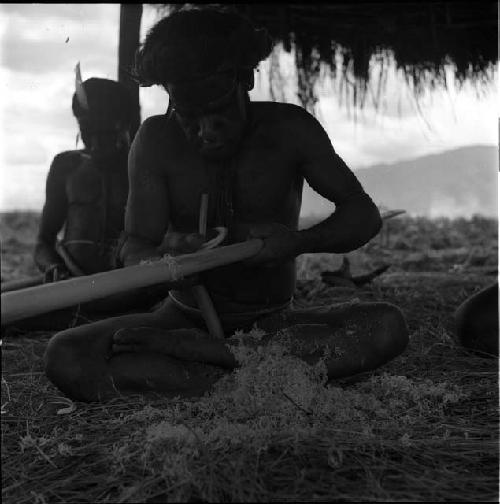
422 428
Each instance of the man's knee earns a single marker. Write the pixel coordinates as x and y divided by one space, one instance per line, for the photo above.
394 334
63 366
59 359
476 321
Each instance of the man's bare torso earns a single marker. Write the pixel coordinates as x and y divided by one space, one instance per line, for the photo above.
266 187
93 209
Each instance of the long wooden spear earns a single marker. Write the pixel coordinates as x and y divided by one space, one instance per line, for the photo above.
21 283
17 305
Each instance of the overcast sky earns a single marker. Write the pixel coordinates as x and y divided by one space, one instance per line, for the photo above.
41 43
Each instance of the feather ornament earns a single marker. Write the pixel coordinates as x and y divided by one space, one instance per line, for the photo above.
81 95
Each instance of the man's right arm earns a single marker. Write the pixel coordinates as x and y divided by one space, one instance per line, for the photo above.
147 212
53 217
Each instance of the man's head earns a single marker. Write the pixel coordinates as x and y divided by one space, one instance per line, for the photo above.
104 116
205 58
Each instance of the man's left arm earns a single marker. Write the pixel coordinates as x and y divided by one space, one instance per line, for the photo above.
356 219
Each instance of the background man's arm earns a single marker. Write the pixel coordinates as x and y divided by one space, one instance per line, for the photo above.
147 212
356 218
53 217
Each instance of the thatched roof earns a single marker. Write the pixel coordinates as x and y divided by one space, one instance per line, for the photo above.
344 36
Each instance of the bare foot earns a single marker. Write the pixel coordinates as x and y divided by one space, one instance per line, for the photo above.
139 339
154 339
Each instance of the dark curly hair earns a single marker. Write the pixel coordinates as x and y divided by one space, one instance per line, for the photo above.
107 99
196 42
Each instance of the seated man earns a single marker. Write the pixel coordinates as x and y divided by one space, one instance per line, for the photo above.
87 189
252 159
86 195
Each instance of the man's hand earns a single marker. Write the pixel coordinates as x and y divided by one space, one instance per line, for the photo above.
185 282
280 244
175 243
55 272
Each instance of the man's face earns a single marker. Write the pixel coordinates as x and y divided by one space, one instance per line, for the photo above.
213 126
106 140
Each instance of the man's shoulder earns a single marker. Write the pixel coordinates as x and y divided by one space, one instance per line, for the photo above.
153 126
153 123
286 114
154 133
157 140
68 160
284 121
279 109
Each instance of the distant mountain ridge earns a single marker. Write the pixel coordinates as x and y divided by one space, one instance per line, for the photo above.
455 183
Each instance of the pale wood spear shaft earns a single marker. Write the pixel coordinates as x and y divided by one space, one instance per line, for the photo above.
24 303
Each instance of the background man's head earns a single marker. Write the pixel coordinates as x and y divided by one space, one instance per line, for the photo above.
205 58
104 118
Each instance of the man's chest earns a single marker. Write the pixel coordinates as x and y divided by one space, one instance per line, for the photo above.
256 185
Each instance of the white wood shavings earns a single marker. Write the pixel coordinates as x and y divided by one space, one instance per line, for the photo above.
167 260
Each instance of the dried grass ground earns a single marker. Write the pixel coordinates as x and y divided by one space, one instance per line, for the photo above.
422 428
